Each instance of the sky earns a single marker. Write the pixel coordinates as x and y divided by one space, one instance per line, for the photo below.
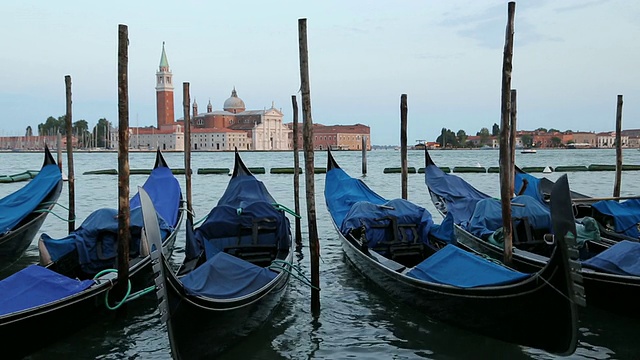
572 58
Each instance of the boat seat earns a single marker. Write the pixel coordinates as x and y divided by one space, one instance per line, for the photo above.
403 244
258 254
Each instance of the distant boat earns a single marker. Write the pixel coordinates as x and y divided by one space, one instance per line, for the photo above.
528 151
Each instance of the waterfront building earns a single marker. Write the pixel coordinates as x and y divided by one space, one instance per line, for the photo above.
338 137
608 139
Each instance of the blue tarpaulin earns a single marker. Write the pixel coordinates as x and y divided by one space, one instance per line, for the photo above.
533 186
487 215
342 191
459 195
225 276
626 215
97 238
454 266
34 286
18 205
245 201
622 258
402 211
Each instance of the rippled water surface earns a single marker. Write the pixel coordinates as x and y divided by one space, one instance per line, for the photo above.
357 320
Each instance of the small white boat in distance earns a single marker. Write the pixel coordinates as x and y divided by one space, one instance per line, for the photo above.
528 151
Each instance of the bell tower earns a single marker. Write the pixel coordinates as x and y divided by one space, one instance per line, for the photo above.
164 92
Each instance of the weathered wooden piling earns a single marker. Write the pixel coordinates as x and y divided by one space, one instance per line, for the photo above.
70 176
506 180
512 139
186 100
59 148
403 145
307 134
618 181
364 155
296 171
124 212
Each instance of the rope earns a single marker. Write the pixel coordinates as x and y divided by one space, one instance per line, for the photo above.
54 214
199 221
106 295
287 267
284 208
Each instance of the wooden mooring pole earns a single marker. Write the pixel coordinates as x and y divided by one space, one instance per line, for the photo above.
186 100
364 155
70 177
506 165
618 181
124 212
296 171
512 139
403 145
307 134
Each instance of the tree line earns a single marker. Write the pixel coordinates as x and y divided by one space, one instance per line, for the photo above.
97 137
460 139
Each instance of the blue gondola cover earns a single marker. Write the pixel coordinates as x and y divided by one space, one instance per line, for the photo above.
18 205
622 258
342 191
487 216
97 238
454 266
402 211
460 196
36 285
224 276
626 215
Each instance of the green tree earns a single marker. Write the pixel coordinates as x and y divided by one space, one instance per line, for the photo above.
29 131
461 135
450 139
556 141
100 133
495 130
527 140
541 129
552 130
484 135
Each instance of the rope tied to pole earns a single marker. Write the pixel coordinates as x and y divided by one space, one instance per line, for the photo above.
293 270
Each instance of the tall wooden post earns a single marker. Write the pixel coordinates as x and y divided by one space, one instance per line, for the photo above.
616 185
364 155
186 100
512 139
296 171
403 144
70 177
59 147
506 180
124 212
307 134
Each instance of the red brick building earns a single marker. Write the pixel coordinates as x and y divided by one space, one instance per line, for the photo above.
338 137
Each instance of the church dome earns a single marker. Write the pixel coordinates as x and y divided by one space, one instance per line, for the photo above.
234 103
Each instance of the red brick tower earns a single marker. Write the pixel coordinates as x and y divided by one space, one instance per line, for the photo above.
164 92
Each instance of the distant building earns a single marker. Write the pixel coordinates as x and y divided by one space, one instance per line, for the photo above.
337 137
164 93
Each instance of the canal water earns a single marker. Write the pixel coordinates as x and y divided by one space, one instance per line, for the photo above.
357 320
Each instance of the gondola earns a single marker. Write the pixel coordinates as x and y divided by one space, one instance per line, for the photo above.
23 211
69 290
613 288
395 244
234 272
615 220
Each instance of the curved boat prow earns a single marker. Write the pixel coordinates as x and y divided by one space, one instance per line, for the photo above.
48 158
427 158
564 228
239 168
160 162
331 162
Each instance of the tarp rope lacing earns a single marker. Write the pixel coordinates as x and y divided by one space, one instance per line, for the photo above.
288 267
286 209
128 296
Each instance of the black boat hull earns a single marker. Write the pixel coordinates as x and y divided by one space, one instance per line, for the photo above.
220 323
15 243
531 313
